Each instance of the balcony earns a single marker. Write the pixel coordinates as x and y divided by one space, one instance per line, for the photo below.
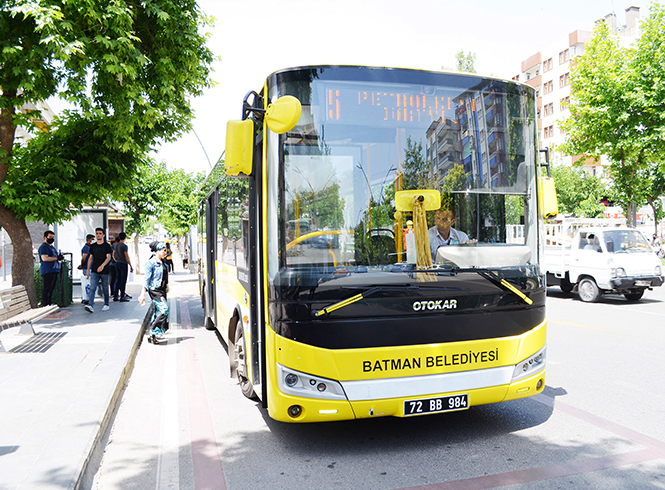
531 62
535 82
579 37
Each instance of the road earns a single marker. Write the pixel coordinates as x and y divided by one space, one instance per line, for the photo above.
184 424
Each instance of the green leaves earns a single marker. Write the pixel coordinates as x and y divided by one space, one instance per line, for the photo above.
616 104
171 196
578 194
128 67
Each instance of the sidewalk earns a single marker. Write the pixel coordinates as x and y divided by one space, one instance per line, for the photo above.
58 390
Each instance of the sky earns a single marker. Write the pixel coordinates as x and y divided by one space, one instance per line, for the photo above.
253 39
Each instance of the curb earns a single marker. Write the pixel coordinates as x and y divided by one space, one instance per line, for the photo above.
94 456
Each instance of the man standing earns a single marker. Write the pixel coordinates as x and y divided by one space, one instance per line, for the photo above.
85 251
50 266
122 262
98 269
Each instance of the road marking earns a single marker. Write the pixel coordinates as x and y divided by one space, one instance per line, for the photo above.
208 472
168 465
655 449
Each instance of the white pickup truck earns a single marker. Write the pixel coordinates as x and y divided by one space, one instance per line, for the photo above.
599 256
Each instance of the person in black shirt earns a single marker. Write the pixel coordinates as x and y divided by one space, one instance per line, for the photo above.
50 266
98 269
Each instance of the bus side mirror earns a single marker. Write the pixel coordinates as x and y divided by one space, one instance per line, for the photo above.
547 197
239 147
282 115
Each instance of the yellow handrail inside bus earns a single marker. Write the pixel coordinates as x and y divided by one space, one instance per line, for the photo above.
302 238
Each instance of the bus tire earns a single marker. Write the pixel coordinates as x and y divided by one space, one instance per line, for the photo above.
635 295
240 364
588 290
206 319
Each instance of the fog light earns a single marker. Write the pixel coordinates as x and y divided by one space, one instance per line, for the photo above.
291 380
540 384
295 411
321 387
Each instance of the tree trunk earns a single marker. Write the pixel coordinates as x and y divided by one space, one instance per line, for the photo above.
137 263
22 265
655 216
631 215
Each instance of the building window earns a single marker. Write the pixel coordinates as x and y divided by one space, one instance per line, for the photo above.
563 103
564 56
564 80
549 131
547 65
548 87
549 109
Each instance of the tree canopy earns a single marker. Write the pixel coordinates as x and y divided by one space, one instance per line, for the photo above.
578 193
128 69
616 104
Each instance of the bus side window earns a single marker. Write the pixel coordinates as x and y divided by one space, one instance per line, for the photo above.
238 223
222 227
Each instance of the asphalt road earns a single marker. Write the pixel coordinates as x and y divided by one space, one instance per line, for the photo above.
599 423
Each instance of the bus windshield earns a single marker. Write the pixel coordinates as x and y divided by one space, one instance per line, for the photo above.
367 133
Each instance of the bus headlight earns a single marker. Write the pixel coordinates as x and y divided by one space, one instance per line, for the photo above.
530 365
296 383
657 271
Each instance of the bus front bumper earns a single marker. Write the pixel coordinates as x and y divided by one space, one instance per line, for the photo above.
288 408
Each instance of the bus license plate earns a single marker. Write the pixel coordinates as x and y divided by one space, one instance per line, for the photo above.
642 283
434 405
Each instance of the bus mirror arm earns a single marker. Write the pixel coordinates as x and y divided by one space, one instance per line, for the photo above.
281 116
546 151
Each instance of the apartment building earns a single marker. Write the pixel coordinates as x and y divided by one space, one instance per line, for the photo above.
548 71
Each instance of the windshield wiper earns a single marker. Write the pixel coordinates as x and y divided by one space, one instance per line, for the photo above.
370 291
346 302
486 273
492 277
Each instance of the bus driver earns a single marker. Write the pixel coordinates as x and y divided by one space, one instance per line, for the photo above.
443 233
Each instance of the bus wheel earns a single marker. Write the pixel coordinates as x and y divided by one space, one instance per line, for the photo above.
206 320
634 295
588 289
240 364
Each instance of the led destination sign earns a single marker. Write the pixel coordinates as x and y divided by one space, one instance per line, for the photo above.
354 104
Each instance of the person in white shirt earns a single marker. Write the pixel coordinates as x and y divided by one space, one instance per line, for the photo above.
592 243
443 233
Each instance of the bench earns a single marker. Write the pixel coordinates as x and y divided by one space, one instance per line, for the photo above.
15 311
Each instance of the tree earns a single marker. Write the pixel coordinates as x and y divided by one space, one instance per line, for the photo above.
578 193
180 201
616 99
652 188
464 62
415 167
127 67
143 200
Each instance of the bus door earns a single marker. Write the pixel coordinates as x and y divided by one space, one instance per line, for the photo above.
211 244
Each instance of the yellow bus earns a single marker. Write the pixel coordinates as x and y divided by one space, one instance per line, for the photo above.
307 262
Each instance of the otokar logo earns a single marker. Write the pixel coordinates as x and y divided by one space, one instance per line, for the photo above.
437 304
